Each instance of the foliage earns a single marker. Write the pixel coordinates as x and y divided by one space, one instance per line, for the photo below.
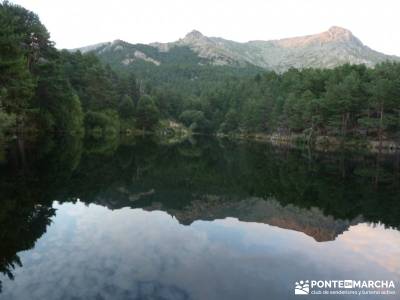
126 107
7 121
46 89
54 97
147 113
347 101
101 123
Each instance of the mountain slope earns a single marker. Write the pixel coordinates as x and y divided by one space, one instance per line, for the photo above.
334 47
329 49
179 67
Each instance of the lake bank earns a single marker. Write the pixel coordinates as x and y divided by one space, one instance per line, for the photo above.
321 143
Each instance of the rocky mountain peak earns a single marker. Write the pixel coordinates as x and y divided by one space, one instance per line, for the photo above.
339 33
194 34
195 37
118 42
339 30
333 47
334 34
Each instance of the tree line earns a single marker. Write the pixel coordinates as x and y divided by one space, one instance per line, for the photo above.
43 89
349 100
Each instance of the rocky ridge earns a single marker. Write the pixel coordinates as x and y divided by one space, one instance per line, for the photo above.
328 49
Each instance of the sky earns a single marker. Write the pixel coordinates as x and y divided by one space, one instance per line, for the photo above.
77 23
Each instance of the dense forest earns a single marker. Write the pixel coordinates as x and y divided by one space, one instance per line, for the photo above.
43 89
345 101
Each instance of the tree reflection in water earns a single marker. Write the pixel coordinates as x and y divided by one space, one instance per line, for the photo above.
198 179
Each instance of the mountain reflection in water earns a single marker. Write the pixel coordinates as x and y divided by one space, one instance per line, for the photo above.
203 219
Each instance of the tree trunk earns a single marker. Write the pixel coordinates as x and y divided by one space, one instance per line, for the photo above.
381 127
343 125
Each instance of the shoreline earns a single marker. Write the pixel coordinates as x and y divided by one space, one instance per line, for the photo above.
320 143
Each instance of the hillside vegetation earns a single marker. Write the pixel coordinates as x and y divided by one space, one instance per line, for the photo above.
46 90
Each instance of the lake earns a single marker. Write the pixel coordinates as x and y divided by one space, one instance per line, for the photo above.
140 218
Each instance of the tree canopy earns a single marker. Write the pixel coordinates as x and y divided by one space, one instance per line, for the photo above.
44 89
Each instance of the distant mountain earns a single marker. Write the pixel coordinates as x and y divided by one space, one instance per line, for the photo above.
313 222
328 49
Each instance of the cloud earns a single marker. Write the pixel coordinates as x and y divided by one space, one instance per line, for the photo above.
93 252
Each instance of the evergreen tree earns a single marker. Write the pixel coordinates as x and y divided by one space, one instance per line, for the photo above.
126 107
147 113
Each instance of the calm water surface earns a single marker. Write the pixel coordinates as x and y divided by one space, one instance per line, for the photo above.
200 219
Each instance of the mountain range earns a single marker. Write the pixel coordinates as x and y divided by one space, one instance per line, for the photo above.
312 222
328 49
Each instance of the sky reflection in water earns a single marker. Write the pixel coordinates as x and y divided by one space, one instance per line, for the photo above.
91 252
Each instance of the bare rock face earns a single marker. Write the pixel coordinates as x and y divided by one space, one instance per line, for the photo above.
333 35
339 33
194 37
328 49
208 48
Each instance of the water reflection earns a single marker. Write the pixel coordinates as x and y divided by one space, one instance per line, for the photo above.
91 252
204 219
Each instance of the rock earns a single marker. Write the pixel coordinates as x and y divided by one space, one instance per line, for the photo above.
328 49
